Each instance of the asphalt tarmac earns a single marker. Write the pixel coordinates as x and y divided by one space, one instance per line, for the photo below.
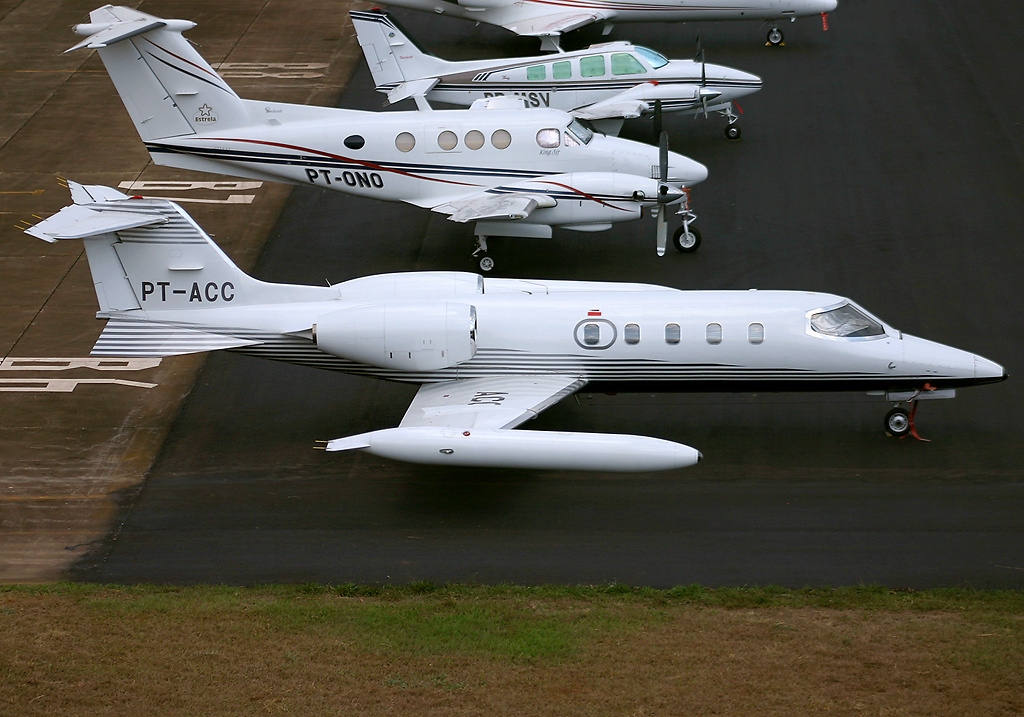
882 160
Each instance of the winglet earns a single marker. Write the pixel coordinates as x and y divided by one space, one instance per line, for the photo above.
348 444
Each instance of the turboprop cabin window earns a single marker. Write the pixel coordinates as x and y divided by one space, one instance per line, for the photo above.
592 66
656 59
537 72
631 333
405 142
625 64
447 140
501 139
474 139
846 322
713 333
591 334
671 333
549 138
561 70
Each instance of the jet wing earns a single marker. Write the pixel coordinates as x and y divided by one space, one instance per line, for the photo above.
498 403
493 205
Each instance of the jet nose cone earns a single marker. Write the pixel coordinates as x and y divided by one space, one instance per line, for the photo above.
986 371
685 171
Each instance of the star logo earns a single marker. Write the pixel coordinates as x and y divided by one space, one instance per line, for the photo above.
205 110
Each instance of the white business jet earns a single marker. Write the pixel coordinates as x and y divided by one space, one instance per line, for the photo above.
513 171
604 84
491 353
550 19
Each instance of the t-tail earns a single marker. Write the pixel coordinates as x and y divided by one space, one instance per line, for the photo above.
397 65
156 272
168 89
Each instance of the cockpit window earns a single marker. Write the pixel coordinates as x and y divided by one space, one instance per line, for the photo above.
846 322
657 60
583 133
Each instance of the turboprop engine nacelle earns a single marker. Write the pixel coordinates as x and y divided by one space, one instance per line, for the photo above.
401 335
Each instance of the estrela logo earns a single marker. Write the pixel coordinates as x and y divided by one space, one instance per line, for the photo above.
205 113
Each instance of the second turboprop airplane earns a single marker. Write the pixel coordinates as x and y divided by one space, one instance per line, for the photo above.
514 171
604 84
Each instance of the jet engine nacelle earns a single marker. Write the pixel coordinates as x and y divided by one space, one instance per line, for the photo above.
400 335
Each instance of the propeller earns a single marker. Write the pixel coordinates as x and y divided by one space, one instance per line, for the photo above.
664 196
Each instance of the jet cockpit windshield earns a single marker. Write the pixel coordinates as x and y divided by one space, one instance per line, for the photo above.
580 131
845 322
655 59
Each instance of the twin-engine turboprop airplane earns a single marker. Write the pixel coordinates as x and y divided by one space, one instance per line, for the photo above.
604 84
514 171
491 353
550 19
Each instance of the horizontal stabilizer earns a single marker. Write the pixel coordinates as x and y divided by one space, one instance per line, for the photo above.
144 339
416 88
77 222
89 193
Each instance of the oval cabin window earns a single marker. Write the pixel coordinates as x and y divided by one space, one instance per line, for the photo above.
474 139
405 142
447 140
501 139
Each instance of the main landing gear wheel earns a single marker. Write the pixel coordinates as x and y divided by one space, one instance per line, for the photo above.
775 37
486 263
733 132
897 422
686 239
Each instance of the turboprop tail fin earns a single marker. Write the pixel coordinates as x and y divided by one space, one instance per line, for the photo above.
392 56
168 89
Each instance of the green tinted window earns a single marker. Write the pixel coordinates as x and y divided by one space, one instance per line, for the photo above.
625 64
592 66
537 72
561 70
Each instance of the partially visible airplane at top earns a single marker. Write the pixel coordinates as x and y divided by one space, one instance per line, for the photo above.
489 354
513 171
604 84
548 20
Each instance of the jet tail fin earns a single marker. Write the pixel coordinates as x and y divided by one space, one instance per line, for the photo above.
167 87
148 255
392 56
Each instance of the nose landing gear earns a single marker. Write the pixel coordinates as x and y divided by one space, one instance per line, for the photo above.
899 421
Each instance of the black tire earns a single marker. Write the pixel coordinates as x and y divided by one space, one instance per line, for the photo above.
486 263
686 242
733 132
897 423
775 37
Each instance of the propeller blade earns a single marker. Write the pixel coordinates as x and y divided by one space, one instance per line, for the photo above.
662 228
663 158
